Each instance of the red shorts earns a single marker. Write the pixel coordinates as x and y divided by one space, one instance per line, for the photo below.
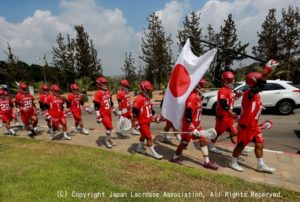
224 124
58 120
247 135
145 131
6 117
77 115
107 121
26 116
187 137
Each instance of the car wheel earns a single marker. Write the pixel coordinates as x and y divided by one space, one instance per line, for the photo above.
285 107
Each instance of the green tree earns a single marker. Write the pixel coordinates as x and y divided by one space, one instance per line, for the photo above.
191 30
129 68
268 39
290 36
157 54
96 68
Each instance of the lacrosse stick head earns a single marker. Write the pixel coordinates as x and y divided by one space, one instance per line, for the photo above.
265 125
210 133
124 123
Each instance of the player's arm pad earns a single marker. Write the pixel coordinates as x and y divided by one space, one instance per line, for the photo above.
111 103
135 112
153 111
224 104
96 105
188 115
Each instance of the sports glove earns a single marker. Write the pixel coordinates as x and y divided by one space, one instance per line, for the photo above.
156 118
270 66
99 119
88 110
115 111
191 127
136 125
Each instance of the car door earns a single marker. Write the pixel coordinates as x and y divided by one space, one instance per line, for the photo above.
271 94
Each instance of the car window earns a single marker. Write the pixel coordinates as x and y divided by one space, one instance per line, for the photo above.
243 88
295 85
273 86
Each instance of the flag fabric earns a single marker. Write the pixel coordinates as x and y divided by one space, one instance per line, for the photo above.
188 71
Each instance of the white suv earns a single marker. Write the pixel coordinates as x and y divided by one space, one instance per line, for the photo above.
278 94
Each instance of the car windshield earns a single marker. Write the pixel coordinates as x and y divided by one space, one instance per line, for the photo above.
236 85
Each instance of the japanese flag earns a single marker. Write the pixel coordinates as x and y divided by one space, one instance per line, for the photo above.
188 71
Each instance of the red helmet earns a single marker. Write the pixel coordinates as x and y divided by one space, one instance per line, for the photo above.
124 83
74 87
2 92
23 87
200 85
228 78
101 82
146 87
44 87
55 88
252 77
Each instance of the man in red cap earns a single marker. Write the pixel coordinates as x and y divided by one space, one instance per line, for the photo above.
103 105
74 103
42 101
6 111
25 102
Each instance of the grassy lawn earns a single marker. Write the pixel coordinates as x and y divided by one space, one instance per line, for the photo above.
32 170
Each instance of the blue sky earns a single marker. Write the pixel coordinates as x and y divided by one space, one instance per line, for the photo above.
116 26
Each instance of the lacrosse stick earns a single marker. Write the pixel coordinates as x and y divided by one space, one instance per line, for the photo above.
266 125
209 133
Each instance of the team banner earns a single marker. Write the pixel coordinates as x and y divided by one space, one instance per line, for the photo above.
188 71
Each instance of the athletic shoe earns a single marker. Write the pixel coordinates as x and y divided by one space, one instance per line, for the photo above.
12 132
157 156
141 150
1 125
264 168
85 131
177 160
166 140
178 137
107 143
31 134
236 166
214 149
135 131
211 165
66 137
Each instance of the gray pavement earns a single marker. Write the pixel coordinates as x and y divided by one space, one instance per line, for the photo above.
282 138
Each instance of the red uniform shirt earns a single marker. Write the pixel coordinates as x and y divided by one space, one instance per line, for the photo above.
144 107
75 100
104 99
25 101
227 94
5 106
194 102
124 103
43 97
55 105
251 110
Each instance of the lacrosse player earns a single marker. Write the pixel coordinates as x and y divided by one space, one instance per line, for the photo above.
103 106
74 103
6 111
225 117
143 112
54 103
191 122
124 107
25 102
248 127
42 101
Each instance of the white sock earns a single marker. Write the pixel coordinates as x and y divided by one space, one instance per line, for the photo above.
260 161
108 132
178 136
141 144
65 133
234 160
204 150
206 159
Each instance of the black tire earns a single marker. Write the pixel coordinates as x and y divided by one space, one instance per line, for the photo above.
214 108
285 107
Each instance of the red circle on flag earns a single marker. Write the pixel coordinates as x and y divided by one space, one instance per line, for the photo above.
179 81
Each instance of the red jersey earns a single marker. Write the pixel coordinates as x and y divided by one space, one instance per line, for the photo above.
104 99
75 100
55 105
124 99
43 97
227 94
194 102
5 106
251 110
144 107
25 101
